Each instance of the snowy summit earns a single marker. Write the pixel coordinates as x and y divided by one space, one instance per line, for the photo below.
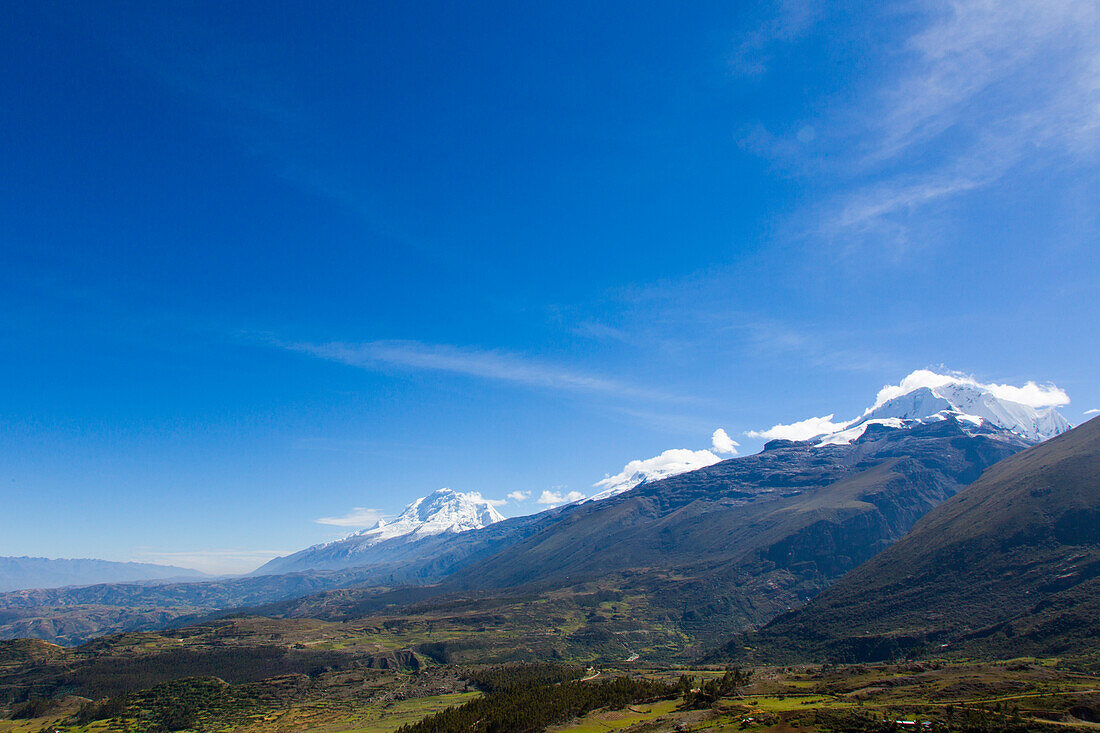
445 510
439 513
927 396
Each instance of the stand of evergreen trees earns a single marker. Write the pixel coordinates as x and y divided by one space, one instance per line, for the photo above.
525 699
708 693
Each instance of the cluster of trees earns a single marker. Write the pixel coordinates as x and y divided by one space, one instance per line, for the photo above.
33 708
708 692
112 707
512 676
519 700
108 676
176 705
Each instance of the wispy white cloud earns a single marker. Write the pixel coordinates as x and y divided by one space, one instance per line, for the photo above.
754 50
1092 412
556 498
476 496
357 517
483 363
603 332
814 346
519 495
977 89
721 442
991 82
1031 67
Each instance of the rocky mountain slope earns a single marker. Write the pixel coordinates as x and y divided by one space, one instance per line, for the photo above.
1010 566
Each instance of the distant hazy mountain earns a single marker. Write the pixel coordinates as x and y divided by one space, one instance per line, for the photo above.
1010 567
75 614
442 513
40 572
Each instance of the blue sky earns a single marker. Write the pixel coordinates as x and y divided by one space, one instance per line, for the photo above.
262 265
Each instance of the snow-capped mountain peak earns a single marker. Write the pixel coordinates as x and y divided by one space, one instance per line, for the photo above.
442 512
926 396
975 403
445 510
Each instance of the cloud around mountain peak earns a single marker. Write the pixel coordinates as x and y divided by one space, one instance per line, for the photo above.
1027 410
1031 394
668 463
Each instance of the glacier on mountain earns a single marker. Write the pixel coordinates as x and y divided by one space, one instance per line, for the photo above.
444 510
440 513
925 396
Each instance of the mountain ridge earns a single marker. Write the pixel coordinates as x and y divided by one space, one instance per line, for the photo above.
1009 565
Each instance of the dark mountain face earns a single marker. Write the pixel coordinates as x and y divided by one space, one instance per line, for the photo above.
1010 566
792 506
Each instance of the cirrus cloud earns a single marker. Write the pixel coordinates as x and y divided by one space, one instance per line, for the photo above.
491 364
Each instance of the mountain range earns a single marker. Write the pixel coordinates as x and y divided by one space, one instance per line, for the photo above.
715 547
448 513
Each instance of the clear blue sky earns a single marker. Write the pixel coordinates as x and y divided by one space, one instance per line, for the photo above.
265 263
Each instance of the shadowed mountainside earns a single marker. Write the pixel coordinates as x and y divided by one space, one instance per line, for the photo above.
813 511
1009 567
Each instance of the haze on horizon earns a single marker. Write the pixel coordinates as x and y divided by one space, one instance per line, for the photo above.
271 273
